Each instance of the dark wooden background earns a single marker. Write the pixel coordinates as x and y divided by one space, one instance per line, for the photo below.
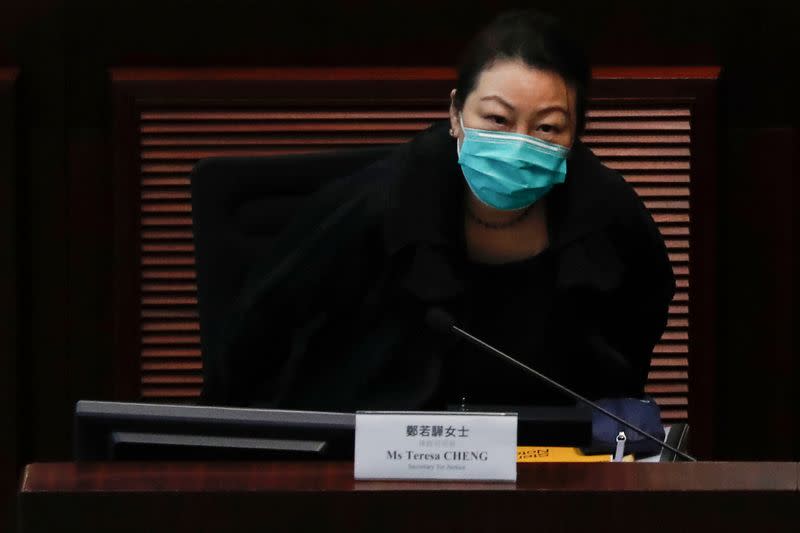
60 196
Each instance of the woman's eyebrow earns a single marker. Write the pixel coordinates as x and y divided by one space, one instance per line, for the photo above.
552 108
499 100
510 106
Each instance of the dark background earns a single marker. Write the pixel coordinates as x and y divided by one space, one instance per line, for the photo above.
61 243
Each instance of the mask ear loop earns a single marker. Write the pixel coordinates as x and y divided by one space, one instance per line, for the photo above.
458 141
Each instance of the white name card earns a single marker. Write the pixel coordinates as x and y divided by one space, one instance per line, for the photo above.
434 445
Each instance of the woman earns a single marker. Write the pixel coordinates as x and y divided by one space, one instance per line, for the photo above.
501 217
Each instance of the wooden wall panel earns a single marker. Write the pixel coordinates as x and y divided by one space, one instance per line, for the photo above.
761 248
171 141
650 146
8 298
696 89
646 123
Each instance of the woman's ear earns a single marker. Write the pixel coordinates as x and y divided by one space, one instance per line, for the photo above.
455 127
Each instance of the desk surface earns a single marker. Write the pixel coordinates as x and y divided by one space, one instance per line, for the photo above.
338 476
302 495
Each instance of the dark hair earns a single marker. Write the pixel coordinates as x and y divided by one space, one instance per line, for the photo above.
536 38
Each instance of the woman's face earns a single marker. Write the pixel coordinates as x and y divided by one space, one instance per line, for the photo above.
511 96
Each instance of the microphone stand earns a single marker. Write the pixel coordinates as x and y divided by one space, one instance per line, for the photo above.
476 341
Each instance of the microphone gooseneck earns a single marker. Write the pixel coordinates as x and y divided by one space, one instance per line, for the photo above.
441 320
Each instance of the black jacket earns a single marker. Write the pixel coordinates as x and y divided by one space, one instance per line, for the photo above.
333 318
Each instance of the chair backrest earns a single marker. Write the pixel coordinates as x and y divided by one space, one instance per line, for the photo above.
240 204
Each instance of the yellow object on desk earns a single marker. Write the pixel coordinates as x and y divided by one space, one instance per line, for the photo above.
556 454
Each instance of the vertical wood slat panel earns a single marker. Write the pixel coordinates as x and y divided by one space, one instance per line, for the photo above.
657 165
642 124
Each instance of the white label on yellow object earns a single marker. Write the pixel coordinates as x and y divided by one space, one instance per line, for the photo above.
556 454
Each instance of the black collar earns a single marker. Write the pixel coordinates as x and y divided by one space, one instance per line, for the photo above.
424 216
425 199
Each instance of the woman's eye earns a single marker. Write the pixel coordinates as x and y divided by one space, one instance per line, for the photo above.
497 119
547 128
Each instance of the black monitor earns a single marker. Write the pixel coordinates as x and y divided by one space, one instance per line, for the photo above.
146 431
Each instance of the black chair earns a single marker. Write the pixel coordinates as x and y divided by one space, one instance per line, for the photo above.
239 205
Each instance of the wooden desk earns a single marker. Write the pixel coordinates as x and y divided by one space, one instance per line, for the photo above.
677 497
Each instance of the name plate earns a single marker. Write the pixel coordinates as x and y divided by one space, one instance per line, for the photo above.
433 445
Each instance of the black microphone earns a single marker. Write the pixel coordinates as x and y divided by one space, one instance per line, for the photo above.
441 320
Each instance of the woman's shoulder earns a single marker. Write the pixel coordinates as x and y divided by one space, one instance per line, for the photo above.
606 188
589 169
399 165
